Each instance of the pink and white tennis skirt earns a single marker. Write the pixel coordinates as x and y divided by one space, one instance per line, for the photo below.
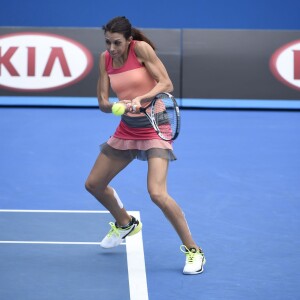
136 138
139 149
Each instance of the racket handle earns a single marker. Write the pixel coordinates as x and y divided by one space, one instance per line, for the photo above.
136 108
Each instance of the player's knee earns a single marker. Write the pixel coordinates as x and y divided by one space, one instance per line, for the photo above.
91 186
158 197
88 186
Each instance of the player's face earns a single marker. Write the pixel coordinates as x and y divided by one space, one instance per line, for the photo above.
116 44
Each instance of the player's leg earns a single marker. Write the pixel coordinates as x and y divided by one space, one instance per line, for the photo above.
157 188
104 170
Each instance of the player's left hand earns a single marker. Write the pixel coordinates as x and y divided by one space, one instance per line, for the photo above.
136 105
127 105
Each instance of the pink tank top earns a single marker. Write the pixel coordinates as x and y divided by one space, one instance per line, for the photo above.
129 81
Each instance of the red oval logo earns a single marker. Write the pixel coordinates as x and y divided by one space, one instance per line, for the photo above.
35 61
285 64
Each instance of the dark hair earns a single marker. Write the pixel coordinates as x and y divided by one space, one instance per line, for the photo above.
123 26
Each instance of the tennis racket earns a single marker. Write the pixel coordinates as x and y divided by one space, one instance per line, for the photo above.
163 113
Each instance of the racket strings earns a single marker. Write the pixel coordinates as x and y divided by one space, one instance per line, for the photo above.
166 118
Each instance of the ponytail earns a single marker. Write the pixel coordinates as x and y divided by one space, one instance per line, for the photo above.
139 36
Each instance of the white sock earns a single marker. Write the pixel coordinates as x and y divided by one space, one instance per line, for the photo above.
118 199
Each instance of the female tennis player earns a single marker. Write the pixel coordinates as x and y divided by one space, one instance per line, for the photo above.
132 69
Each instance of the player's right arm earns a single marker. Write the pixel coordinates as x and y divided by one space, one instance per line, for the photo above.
103 86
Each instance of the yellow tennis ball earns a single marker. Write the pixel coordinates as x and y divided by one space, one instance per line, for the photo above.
118 109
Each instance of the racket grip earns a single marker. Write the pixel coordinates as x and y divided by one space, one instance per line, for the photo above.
136 108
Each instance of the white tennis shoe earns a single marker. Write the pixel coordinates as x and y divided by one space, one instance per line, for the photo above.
194 260
117 235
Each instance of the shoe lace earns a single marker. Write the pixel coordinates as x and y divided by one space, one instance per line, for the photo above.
189 254
113 230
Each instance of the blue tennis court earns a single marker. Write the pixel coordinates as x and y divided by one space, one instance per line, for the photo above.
237 179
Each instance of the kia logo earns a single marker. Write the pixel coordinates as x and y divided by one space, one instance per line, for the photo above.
285 64
34 61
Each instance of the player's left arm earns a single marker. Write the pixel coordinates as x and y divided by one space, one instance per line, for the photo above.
147 56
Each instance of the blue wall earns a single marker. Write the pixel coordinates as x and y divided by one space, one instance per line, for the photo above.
229 14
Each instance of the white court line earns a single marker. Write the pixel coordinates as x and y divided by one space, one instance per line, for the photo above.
56 211
134 249
136 265
53 243
49 243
